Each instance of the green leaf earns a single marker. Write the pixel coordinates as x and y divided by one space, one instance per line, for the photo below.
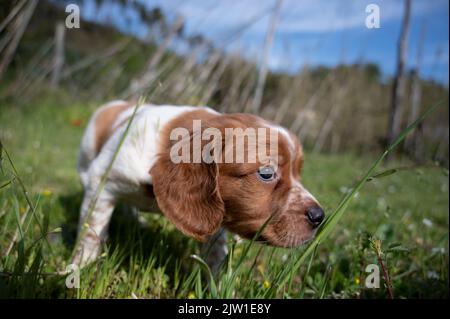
394 245
383 174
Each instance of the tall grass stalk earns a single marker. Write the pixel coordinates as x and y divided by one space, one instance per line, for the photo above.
102 183
330 223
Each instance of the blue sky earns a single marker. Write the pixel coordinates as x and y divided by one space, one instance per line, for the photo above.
316 32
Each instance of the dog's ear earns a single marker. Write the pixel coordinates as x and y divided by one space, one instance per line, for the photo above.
188 195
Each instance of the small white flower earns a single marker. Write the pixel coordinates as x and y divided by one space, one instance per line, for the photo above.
238 239
284 258
432 275
427 222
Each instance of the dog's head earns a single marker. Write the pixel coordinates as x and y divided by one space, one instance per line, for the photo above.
235 170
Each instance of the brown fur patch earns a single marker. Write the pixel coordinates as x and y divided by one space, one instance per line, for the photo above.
187 193
104 122
198 197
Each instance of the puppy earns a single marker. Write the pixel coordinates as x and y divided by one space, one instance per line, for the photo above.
205 170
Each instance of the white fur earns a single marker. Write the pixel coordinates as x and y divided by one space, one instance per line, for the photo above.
129 172
137 153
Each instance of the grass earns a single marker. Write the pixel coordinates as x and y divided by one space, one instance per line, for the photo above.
405 212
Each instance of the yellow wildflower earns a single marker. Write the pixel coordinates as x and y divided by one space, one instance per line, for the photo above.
46 192
191 295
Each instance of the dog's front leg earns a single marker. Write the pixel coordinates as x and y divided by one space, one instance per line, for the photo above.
93 226
215 250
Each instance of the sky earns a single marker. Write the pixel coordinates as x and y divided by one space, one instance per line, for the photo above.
313 32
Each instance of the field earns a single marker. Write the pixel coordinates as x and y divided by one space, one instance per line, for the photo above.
406 211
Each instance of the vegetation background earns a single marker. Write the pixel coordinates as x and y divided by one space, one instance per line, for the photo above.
53 78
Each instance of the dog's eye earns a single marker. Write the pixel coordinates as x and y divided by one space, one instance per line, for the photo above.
266 173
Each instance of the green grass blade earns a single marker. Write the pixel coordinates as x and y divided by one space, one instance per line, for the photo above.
102 183
330 223
213 286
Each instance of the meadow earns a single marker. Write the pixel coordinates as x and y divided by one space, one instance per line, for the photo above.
399 219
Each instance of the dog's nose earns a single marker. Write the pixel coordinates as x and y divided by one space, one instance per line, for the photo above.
315 216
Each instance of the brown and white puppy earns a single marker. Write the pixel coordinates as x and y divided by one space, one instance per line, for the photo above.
202 192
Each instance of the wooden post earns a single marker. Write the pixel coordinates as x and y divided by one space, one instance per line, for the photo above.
413 143
398 90
256 105
58 60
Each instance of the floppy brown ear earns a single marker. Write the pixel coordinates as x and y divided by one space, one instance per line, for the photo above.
187 194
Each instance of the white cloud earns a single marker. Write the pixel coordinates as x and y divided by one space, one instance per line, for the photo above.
218 16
